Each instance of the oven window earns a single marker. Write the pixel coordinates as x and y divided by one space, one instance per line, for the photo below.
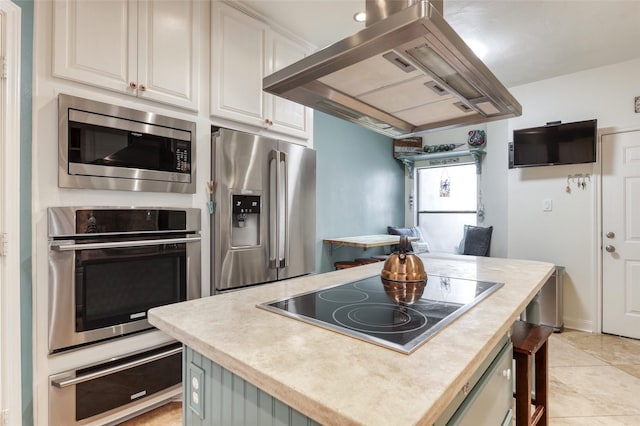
104 146
116 286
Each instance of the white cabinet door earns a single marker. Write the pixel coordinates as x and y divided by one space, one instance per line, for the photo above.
243 50
169 52
146 48
237 52
96 42
285 116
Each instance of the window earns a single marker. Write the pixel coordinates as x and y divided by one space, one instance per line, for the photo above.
447 199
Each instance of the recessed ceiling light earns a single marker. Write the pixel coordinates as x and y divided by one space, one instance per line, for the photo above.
360 17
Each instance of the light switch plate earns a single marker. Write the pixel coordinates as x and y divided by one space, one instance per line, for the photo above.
547 205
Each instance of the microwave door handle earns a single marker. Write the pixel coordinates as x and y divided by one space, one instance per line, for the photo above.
283 211
115 369
65 246
273 208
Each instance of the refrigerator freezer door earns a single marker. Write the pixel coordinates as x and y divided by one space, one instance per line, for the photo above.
297 221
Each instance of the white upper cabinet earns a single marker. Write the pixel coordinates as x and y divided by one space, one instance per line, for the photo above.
286 116
237 65
243 51
144 48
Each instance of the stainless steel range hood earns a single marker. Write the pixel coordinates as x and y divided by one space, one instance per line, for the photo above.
407 72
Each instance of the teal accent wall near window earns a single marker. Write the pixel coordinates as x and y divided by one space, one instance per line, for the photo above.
360 187
26 67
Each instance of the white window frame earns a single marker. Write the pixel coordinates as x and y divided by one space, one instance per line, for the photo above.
418 212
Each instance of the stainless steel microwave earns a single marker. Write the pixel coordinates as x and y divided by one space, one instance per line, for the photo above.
103 146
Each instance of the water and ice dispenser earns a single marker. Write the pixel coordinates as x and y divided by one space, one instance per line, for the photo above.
245 229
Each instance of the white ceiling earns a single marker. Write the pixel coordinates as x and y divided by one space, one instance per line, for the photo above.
527 40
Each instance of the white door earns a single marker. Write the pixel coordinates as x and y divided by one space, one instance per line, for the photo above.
621 234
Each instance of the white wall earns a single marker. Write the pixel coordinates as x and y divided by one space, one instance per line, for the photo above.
567 235
513 199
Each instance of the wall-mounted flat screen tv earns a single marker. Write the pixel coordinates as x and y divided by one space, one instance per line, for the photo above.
554 144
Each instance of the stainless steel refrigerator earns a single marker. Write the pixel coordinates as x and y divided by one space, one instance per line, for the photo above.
264 210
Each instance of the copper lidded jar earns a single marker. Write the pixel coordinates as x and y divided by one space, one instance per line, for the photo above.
403 275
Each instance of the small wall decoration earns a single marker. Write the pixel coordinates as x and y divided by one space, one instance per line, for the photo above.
476 138
445 185
441 148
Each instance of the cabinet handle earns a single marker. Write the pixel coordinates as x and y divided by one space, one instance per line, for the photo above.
133 85
268 122
143 87
466 388
506 373
115 369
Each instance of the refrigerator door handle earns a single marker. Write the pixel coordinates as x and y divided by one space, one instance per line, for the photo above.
283 211
273 208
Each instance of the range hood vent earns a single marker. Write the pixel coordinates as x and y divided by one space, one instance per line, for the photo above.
407 72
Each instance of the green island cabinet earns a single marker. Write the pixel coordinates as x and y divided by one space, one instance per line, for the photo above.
214 396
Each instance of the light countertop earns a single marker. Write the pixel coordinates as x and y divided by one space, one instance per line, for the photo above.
366 241
337 379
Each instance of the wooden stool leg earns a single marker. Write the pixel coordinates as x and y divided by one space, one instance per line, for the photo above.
523 390
542 384
530 341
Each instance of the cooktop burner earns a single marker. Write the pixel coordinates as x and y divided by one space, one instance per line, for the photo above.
363 310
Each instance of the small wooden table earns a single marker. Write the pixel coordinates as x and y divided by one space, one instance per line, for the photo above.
365 241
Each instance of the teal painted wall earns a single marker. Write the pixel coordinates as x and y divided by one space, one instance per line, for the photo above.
360 187
26 67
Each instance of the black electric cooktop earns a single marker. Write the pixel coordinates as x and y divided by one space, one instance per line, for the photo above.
363 310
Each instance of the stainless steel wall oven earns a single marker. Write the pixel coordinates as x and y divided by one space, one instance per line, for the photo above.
103 146
108 266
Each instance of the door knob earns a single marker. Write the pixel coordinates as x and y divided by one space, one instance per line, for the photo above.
611 234
610 248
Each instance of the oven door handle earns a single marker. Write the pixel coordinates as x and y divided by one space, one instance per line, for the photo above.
63 246
115 369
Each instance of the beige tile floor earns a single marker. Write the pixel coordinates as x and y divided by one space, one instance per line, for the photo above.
594 380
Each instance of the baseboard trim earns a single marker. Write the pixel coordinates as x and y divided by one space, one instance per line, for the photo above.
580 325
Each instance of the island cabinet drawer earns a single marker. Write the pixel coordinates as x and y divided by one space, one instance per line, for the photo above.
215 396
487 400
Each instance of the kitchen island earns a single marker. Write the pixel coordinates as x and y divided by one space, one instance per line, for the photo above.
336 379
